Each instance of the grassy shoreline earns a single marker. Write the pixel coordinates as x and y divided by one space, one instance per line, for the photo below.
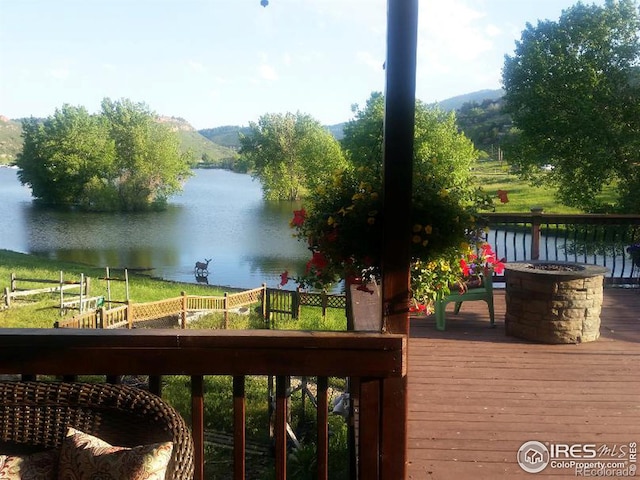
40 312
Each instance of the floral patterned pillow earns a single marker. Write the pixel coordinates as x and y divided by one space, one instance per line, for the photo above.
37 466
85 457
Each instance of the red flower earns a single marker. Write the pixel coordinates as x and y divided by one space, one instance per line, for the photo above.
465 267
418 308
318 261
299 216
284 278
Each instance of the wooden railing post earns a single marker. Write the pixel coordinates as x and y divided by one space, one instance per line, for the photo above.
197 424
323 428
536 221
226 310
129 314
325 300
295 303
281 428
61 291
183 313
264 301
239 428
13 282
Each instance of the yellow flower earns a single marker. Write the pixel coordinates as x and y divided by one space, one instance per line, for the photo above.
443 192
428 229
417 227
425 243
374 195
330 221
371 220
416 239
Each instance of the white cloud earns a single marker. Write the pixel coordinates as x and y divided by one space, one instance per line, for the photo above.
267 72
456 49
60 73
370 60
493 30
195 66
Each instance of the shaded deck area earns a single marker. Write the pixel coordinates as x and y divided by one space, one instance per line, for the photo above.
476 395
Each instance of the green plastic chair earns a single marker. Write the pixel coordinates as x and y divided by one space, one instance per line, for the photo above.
484 293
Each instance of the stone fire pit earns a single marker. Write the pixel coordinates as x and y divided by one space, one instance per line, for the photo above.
554 302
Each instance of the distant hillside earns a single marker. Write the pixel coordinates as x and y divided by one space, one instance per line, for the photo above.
337 130
10 140
485 123
454 103
228 135
204 150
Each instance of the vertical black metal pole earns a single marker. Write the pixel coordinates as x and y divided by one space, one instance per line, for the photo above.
399 120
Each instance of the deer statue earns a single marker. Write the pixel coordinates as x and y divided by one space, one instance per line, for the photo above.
201 267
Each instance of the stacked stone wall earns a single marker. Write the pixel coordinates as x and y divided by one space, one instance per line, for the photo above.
552 308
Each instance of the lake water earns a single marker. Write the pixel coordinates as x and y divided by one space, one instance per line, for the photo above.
220 215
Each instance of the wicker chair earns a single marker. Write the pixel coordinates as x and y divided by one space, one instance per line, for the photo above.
34 416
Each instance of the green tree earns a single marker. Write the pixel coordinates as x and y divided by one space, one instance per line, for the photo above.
63 154
342 220
572 90
121 159
290 154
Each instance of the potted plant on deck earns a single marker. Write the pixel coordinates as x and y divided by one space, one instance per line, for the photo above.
455 271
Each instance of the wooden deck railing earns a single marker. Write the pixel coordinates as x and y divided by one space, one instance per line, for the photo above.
593 239
375 361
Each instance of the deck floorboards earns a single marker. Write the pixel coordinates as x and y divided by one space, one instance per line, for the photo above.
476 395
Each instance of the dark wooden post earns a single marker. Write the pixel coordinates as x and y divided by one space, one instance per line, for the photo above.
536 221
197 424
399 120
239 430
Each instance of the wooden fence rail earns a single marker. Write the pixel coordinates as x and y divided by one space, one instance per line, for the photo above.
61 285
130 313
274 302
283 304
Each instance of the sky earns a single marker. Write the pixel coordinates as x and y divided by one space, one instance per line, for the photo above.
227 62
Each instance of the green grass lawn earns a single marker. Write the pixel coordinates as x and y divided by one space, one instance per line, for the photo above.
493 176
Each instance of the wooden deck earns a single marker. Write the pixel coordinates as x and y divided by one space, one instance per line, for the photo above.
476 395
